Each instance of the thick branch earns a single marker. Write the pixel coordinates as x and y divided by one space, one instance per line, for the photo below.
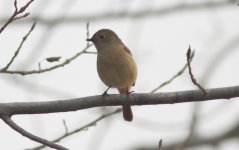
118 100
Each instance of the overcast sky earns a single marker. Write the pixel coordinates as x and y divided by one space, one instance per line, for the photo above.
158 43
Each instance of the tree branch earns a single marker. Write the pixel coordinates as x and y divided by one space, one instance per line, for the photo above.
192 129
66 62
118 100
180 72
134 15
189 56
90 124
23 132
14 15
19 47
200 141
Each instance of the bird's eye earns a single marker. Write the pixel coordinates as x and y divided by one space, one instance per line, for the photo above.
102 36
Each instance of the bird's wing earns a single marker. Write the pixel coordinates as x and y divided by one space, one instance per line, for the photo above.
127 50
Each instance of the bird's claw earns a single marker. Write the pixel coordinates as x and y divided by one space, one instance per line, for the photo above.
105 94
129 92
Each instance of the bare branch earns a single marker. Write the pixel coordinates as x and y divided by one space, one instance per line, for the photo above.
19 47
91 124
233 133
192 130
14 15
65 126
118 100
87 32
22 16
23 132
134 15
191 74
38 47
180 72
66 62
160 144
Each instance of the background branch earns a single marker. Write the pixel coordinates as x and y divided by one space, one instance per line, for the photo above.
92 123
19 47
180 72
14 15
66 62
47 34
134 15
233 133
192 129
23 132
123 12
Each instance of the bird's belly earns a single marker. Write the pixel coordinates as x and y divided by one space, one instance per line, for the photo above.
116 72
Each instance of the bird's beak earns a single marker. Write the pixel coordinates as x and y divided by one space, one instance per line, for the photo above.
89 40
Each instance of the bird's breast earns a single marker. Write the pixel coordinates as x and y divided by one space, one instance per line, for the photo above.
116 69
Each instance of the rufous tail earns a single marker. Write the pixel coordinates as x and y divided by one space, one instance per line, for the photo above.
127 112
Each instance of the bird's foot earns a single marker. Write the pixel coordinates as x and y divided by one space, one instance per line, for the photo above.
129 92
105 92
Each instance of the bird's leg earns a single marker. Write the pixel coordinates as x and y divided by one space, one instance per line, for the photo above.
105 93
129 92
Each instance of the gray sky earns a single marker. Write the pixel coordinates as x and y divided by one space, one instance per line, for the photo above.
158 43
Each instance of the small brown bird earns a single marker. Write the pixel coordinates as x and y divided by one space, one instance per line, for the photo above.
115 64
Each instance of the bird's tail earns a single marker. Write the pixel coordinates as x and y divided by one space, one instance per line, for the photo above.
127 112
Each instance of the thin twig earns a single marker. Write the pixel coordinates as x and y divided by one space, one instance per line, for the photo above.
180 72
160 144
16 12
192 129
43 40
23 132
87 37
198 142
92 123
22 16
191 74
67 61
87 32
201 141
19 47
65 126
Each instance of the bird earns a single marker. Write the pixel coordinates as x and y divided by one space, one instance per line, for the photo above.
115 65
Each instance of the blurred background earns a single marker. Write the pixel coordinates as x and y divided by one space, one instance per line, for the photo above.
158 33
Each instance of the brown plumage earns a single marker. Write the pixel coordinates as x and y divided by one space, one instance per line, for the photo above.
115 64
